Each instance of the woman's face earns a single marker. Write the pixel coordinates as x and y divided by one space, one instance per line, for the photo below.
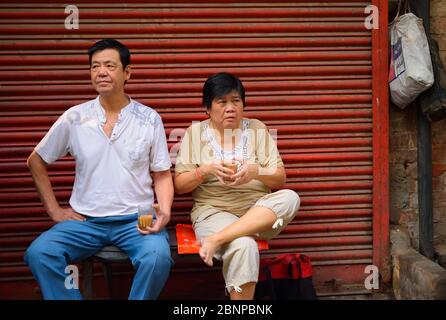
227 111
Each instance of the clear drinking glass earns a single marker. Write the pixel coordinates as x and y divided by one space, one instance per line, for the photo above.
145 216
231 165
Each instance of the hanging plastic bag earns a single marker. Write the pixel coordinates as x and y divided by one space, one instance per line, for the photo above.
433 100
410 71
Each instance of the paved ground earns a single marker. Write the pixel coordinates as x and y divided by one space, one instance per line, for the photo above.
374 296
356 292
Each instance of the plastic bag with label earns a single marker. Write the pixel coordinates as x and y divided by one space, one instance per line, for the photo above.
410 71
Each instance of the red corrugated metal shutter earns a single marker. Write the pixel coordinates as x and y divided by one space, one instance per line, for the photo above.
308 71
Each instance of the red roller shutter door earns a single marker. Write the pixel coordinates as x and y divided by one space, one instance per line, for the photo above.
309 69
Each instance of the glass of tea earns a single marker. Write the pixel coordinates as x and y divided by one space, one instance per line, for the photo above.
231 166
145 216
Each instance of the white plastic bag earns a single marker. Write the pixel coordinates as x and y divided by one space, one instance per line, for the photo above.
410 70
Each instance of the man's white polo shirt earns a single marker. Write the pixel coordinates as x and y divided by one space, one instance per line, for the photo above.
112 174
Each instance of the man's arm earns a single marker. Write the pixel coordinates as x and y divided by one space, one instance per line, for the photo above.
43 184
164 195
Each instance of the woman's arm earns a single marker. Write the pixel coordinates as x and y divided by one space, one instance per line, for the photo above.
187 181
273 179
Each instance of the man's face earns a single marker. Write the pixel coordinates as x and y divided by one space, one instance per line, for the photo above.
107 73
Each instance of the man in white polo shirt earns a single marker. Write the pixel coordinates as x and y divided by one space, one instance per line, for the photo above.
116 142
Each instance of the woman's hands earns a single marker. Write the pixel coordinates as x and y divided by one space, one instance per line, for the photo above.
218 170
246 173
226 176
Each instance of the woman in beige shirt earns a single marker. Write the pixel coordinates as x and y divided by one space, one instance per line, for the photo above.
230 164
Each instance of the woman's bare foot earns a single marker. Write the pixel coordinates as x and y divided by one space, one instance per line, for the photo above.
207 250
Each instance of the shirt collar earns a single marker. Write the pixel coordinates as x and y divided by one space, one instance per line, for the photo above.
101 111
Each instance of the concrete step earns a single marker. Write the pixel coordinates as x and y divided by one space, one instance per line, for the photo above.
414 276
373 296
441 255
356 292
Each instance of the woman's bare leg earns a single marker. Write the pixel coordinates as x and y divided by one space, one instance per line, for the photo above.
256 220
246 294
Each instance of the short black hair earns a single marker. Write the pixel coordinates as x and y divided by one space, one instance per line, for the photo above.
221 84
124 52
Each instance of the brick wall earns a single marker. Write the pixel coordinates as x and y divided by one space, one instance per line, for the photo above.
438 24
403 170
438 30
403 154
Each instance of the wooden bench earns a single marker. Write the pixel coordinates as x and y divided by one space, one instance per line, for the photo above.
186 244
107 255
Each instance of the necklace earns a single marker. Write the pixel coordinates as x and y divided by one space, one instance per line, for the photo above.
240 150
